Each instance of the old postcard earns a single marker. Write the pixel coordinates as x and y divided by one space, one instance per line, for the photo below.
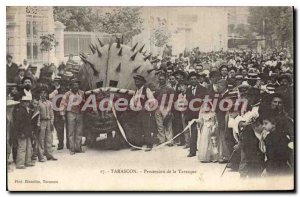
149 98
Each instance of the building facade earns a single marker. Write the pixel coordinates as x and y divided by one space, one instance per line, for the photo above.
24 26
189 27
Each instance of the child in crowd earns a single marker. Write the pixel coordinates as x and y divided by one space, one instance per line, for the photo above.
35 121
277 150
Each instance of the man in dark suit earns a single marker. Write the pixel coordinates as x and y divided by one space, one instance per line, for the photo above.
225 138
252 156
195 91
11 69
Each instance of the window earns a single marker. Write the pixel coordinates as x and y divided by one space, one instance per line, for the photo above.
35 50
28 50
28 27
34 28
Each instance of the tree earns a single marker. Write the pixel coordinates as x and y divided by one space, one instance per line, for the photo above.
48 42
124 20
272 22
161 36
75 18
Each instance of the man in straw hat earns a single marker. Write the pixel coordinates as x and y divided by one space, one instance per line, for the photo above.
71 110
23 130
138 103
59 124
45 138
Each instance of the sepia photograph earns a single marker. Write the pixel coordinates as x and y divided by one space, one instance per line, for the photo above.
150 98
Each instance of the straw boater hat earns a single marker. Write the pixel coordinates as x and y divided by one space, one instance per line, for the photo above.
11 85
57 78
68 74
252 76
26 98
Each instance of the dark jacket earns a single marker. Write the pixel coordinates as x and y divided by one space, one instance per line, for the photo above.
22 122
252 158
277 152
201 92
11 72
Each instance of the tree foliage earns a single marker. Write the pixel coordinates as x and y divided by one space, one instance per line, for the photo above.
161 35
75 18
121 20
272 21
124 20
48 42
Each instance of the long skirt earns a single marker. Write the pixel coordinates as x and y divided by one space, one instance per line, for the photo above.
206 138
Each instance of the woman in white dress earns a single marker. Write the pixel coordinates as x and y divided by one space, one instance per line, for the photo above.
207 150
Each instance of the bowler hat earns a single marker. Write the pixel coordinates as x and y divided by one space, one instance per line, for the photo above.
192 74
285 76
25 78
223 66
75 80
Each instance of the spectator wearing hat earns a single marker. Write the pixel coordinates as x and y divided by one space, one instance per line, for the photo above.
286 90
223 136
11 69
70 63
10 134
277 150
193 92
73 115
23 128
252 79
276 107
26 86
30 72
13 99
238 79
20 76
179 122
214 76
45 139
252 150
198 68
59 123
142 131
163 114
180 75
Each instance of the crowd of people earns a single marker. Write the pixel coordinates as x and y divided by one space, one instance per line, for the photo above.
252 140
